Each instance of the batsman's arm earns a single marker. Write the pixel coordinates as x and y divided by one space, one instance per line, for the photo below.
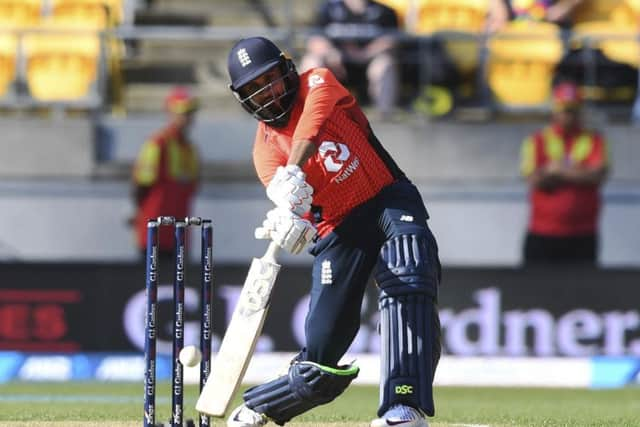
301 151
288 187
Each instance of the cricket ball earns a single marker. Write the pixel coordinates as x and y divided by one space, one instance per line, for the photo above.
190 356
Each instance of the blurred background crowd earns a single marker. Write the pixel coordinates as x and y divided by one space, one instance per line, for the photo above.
432 57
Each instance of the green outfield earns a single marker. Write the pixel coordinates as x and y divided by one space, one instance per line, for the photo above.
120 405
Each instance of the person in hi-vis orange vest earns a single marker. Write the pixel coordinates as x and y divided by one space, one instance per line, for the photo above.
166 171
565 164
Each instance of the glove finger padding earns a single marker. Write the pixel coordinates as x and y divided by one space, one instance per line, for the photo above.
262 233
288 189
288 230
267 227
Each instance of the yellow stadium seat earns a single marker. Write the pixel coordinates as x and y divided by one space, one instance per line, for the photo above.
61 66
462 19
464 53
8 49
20 13
627 14
98 15
92 11
594 10
89 15
520 64
426 16
618 42
451 15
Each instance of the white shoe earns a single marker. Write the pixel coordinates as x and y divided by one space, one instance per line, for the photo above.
243 416
402 416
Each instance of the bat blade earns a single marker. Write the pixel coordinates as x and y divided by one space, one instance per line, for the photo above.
238 344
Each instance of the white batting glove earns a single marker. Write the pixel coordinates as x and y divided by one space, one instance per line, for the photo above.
288 189
287 230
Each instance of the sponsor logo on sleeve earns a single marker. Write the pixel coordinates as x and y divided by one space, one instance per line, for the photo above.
315 80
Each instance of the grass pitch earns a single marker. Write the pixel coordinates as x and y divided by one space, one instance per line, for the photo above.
120 405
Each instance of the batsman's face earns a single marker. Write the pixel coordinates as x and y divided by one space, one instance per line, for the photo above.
262 88
264 93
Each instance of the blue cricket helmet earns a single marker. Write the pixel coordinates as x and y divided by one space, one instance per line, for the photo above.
249 59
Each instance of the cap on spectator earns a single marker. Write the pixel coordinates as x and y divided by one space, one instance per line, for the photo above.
566 95
181 101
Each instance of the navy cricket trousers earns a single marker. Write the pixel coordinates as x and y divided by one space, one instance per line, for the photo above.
344 261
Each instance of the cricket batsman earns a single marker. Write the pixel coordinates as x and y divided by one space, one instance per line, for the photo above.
334 185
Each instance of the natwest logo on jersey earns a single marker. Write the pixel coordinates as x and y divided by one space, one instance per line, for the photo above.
335 154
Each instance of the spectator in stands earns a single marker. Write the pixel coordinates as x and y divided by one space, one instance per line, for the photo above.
556 11
565 163
354 43
166 172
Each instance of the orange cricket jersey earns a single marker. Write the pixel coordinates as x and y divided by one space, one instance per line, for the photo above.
349 167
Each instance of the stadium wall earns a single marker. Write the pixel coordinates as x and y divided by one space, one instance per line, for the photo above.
46 148
468 174
71 221
429 152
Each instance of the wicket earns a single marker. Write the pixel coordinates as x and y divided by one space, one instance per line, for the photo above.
177 383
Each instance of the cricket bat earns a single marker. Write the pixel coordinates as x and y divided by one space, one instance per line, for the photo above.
240 339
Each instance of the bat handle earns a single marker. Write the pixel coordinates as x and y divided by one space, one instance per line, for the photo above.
272 252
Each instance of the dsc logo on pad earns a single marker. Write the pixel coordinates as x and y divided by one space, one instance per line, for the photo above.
404 389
